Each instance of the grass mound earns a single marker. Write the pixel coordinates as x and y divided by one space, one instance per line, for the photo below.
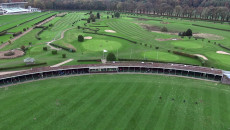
115 101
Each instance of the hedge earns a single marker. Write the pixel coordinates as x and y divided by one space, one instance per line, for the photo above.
224 47
185 54
22 66
64 48
17 33
37 35
3 33
211 27
112 36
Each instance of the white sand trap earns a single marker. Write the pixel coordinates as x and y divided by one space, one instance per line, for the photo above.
222 52
88 37
201 56
110 31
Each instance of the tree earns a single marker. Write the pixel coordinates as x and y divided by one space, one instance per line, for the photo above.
164 29
80 38
189 32
117 14
98 15
111 57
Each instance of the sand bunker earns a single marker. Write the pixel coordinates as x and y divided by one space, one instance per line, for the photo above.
222 52
88 37
169 39
208 36
201 56
110 31
17 53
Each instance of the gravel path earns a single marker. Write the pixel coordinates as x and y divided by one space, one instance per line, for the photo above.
62 63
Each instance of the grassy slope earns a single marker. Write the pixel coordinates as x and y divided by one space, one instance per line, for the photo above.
105 103
125 27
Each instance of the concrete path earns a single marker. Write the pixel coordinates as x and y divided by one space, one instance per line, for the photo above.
62 63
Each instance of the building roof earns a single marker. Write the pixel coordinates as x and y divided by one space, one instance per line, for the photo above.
29 60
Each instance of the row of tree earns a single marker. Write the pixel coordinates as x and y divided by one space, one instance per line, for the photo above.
203 9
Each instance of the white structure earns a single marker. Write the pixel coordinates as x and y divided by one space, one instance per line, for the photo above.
29 61
16 8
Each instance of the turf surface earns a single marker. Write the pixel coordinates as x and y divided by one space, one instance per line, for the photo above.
116 102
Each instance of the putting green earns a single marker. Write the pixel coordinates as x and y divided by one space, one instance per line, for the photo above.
188 44
100 45
163 56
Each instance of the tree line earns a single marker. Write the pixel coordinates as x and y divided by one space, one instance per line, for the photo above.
203 9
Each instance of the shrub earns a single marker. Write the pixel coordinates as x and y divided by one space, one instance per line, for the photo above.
107 17
45 49
164 29
23 48
10 53
169 50
93 20
63 55
54 52
80 38
98 15
88 20
111 57
117 14
24 29
78 27
189 32
146 45
156 48
112 16
208 41
30 43
51 25
9 42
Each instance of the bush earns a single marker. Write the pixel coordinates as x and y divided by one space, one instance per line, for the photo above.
107 17
111 57
88 20
9 42
10 53
30 43
80 38
189 32
51 25
93 20
117 14
63 55
164 29
98 15
54 52
24 29
23 48
45 49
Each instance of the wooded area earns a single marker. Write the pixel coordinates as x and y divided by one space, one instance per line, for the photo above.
204 9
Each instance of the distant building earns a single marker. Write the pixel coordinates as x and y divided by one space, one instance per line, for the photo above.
29 61
16 8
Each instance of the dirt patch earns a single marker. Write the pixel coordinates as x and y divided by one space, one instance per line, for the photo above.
110 31
169 39
208 36
17 53
88 37
164 22
201 56
222 52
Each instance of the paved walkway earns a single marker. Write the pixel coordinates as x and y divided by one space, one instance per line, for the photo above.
62 63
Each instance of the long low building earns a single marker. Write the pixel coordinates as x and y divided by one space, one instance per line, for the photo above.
197 72
16 8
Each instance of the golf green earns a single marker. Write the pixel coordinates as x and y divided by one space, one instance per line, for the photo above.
100 45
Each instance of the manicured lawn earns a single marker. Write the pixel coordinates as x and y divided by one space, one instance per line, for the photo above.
125 27
116 102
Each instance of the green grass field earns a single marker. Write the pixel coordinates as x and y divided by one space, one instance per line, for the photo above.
116 102
126 27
